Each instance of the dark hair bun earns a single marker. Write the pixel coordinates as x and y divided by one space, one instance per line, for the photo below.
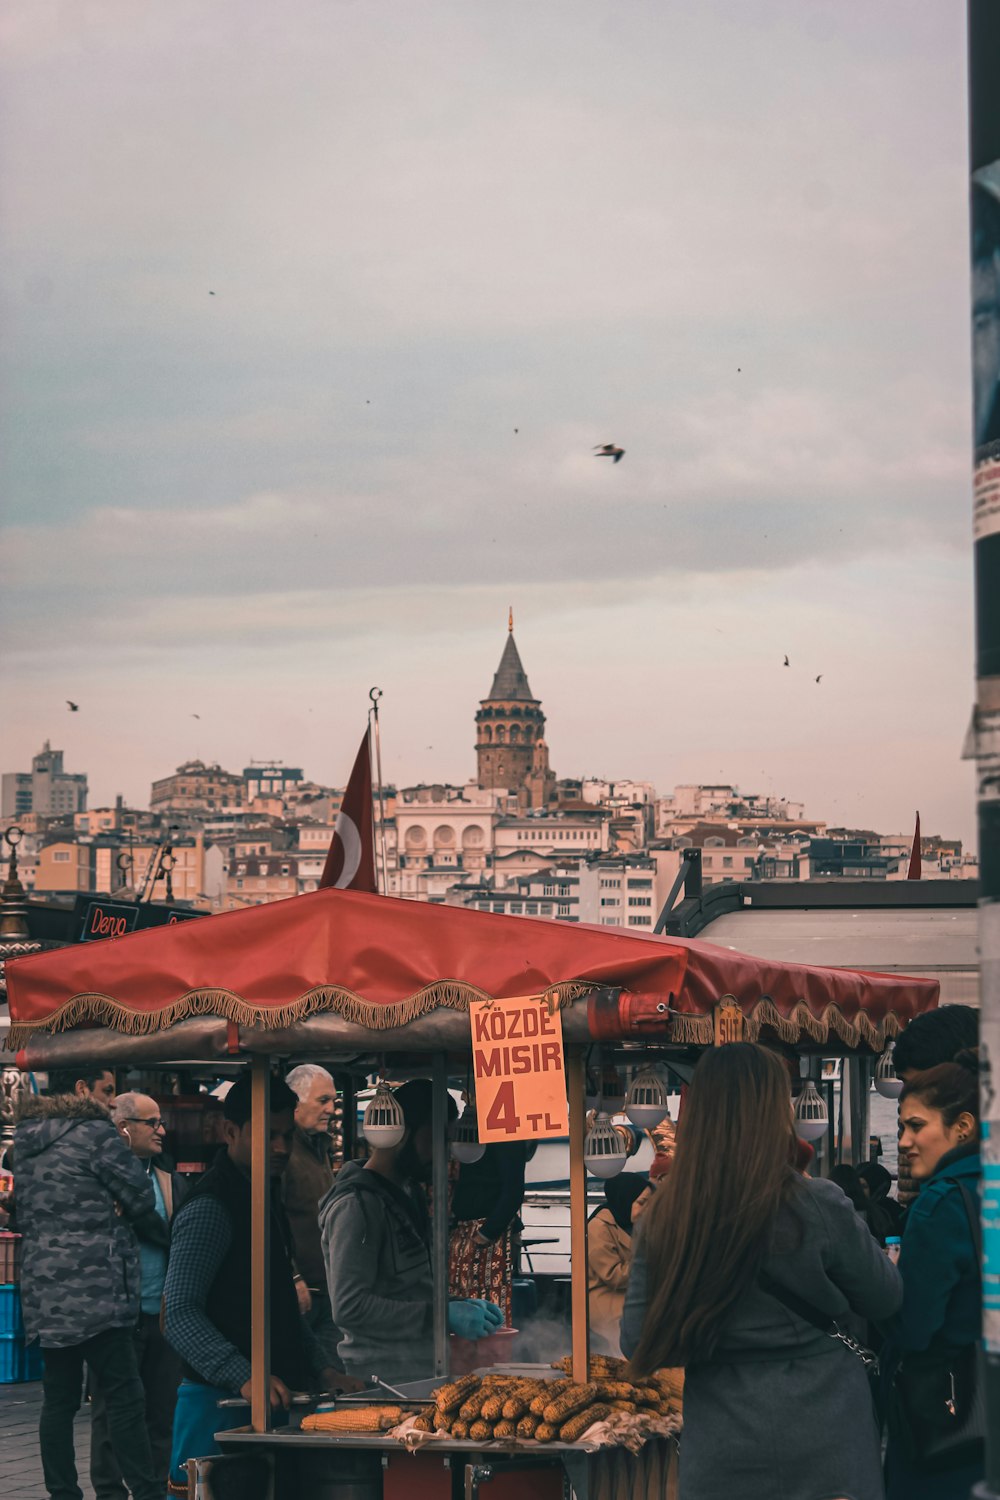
968 1058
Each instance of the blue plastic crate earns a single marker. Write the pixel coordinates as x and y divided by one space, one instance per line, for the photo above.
11 1322
17 1362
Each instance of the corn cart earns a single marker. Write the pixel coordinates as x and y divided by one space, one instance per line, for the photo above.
350 979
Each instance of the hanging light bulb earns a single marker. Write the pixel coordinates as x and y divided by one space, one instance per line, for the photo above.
384 1125
466 1146
811 1117
646 1101
886 1082
604 1152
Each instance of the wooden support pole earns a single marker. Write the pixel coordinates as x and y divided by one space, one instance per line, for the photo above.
575 1078
439 1227
260 1246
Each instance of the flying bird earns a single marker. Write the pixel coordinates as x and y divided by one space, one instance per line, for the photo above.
609 450
196 716
820 677
787 662
74 708
211 294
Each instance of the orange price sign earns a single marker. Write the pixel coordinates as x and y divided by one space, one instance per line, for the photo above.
517 1053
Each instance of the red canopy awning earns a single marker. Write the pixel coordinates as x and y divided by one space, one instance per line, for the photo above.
381 962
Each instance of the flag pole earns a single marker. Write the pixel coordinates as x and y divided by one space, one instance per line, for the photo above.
375 694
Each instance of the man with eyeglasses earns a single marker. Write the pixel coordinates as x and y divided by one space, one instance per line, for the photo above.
139 1122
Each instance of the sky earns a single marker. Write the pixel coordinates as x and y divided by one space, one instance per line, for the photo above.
315 312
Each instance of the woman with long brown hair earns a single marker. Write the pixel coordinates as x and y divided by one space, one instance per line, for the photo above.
741 1270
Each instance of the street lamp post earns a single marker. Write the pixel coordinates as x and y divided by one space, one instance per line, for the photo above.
984 161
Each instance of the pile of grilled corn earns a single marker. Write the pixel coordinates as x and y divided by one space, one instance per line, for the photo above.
501 1406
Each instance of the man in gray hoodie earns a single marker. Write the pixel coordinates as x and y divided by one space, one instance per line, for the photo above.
375 1232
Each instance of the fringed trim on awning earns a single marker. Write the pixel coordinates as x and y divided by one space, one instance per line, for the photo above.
801 1025
447 994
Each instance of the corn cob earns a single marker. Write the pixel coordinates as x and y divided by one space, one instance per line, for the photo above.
616 1390
624 1406
575 1399
505 1429
648 1395
493 1406
450 1397
570 1431
442 1420
528 1425
481 1432
550 1390
471 1410
515 1406
459 1429
425 1422
354 1419
546 1433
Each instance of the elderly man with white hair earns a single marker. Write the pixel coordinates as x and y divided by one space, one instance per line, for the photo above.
308 1178
140 1124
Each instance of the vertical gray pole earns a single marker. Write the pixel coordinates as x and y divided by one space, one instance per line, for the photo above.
984 160
439 1128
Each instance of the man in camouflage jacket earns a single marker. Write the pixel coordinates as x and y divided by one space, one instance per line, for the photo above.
78 1189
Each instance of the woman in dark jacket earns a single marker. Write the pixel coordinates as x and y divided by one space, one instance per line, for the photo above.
609 1256
774 1407
942 1293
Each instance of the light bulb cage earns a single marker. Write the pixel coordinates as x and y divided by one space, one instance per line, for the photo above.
384 1124
886 1082
463 1136
604 1153
646 1103
812 1118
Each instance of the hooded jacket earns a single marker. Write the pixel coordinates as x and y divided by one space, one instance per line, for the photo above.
80 1259
378 1272
942 1300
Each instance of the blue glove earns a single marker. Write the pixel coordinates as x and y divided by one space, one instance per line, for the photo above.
473 1319
493 1313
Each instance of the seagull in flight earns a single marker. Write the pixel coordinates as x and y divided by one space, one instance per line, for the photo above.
74 708
787 662
196 716
820 677
609 450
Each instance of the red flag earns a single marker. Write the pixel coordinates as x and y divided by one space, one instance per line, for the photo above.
350 863
913 873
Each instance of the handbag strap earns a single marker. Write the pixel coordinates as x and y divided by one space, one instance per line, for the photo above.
970 1203
825 1322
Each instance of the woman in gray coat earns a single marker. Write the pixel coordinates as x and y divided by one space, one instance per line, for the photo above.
775 1408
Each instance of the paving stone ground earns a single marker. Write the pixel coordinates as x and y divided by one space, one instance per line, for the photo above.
20 1465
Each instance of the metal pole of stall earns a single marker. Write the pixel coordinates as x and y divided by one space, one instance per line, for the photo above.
439 1128
260 1245
576 1084
860 1111
984 194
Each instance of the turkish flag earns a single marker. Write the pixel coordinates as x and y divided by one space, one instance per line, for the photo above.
913 873
350 864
